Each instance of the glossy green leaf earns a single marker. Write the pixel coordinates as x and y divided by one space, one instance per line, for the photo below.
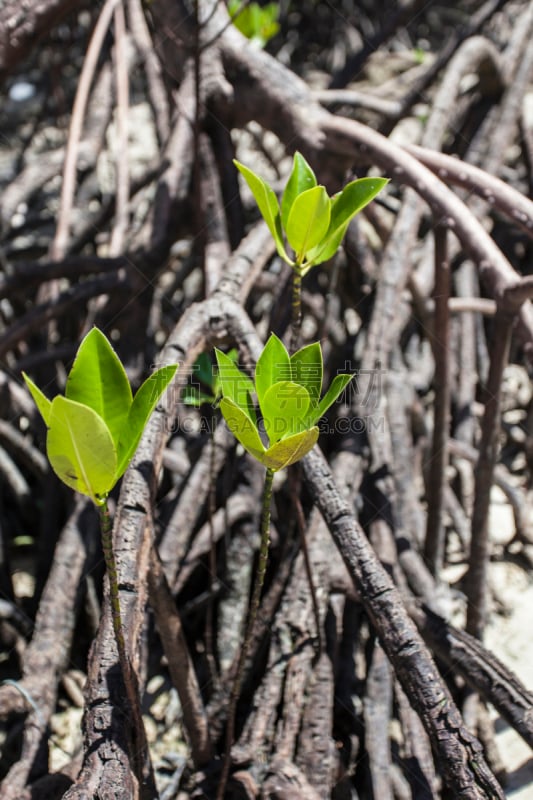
307 369
143 404
353 198
98 380
233 354
338 384
268 206
235 385
273 366
284 407
80 448
308 220
41 401
242 428
288 451
326 249
301 178
344 206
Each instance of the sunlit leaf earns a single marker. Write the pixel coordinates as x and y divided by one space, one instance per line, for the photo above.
268 205
233 354
344 206
235 385
301 178
143 404
353 198
284 408
338 384
255 22
98 380
242 428
326 249
273 366
308 220
80 448
41 401
307 369
288 451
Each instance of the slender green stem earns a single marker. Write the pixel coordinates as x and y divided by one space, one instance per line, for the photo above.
296 318
139 754
111 569
254 607
296 329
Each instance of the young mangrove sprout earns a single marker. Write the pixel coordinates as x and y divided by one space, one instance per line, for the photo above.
312 223
93 433
288 390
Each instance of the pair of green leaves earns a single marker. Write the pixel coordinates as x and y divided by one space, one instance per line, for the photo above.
288 390
259 24
94 430
313 223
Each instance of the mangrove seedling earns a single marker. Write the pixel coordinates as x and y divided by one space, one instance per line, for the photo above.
93 433
312 223
288 390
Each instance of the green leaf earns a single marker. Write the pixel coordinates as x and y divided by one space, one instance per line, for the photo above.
273 366
254 22
98 380
288 451
235 385
307 369
268 206
354 197
326 249
242 428
143 404
41 401
301 178
269 22
308 220
233 354
344 206
338 384
284 406
80 448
